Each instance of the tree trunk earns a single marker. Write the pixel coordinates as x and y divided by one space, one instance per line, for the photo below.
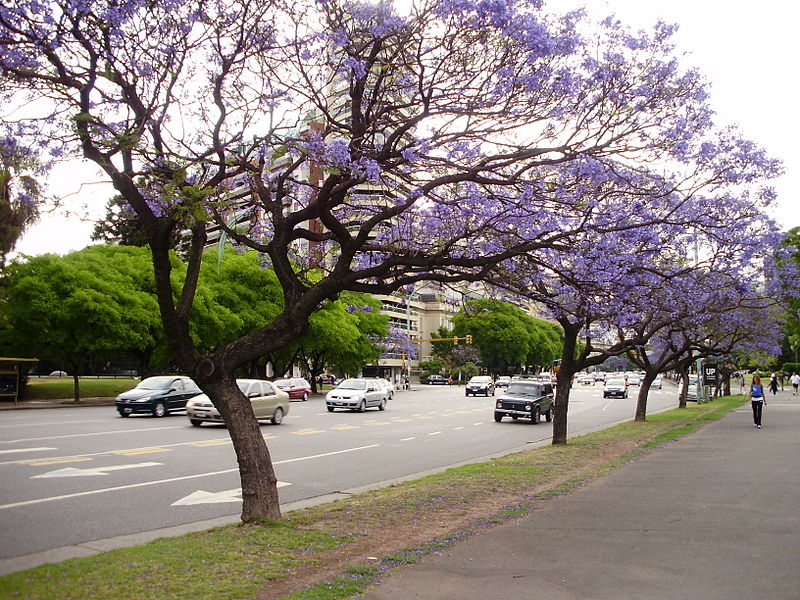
684 373
641 399
259 483
564 377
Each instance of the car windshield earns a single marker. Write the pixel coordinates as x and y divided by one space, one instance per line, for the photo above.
479 380
284 384
155 383
615 382
353 384
524 389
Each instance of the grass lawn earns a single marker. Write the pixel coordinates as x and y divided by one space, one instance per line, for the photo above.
360 537
90 387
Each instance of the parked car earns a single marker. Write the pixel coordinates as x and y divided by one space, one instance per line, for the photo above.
658 383
527 400
436 380
357 394
480 384
502 381
269 403
297 388
615 387
157 396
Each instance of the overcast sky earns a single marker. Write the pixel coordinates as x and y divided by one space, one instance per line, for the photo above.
748 51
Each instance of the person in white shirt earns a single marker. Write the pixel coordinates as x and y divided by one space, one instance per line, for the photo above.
795 383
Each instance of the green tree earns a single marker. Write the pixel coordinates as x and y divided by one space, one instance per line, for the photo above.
506 337
83 308
343 334
120 226
19 193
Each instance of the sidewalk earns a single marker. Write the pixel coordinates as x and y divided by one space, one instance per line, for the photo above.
715 515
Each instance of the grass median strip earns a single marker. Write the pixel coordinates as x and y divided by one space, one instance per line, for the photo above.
338 549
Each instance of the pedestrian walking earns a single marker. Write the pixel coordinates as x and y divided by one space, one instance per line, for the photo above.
795 383
757 400
773 385
741 383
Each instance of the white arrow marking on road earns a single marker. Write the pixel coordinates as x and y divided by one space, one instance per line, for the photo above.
73 472
203 497
170 480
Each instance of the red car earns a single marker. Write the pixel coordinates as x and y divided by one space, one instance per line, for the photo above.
297 388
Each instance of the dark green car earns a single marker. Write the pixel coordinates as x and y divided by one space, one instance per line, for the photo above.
526 400
157 396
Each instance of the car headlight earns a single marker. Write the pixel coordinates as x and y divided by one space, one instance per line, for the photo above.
499 405
145 399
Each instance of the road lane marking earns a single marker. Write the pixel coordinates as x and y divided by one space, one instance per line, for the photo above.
26 450
408 439
169 480
203 497
57 461
73 472
457 428
345 427
435 433
139 451
377 423
308 431
210 443
77 435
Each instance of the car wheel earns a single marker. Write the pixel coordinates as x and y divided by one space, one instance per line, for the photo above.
382 405
549 415
196 422
498 417
123 413
363 406
330 409
305 396
277 416
466 394
536 415
159 410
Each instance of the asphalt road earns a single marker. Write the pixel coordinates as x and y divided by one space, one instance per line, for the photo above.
72 476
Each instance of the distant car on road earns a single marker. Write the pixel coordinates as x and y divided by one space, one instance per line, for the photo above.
658 383
480 384
157 396
502 381
297 388
527 400
357 394
586 380
615 387
270 403
436 380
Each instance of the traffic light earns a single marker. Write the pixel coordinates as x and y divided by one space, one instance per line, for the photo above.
469 339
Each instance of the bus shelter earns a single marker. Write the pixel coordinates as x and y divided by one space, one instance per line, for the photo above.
11 372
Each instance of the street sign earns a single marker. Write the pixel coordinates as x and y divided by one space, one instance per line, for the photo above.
710 374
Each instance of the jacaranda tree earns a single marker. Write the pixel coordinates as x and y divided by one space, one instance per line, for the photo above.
357 147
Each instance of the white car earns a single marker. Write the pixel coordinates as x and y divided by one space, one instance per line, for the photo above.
357 394
657 383
269 403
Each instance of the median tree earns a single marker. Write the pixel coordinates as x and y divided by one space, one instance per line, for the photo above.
356 147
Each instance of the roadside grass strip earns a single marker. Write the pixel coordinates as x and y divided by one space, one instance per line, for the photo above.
245 561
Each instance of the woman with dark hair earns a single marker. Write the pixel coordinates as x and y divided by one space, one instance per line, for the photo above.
757 399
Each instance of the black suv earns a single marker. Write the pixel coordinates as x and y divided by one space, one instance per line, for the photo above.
526 399
436 380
